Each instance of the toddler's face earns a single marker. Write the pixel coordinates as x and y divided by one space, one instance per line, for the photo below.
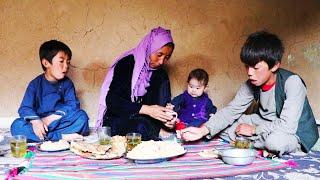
58 68
196 88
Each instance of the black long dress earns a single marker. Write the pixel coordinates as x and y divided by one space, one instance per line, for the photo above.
122 115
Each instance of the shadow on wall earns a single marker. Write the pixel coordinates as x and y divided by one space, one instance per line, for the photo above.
92 74
95 73
88 78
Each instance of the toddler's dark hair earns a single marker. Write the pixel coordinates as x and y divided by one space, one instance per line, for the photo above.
199 74
51 48
262 46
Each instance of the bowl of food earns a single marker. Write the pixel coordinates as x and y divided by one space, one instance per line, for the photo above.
238 157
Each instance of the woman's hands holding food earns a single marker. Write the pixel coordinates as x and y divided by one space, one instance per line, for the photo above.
163 114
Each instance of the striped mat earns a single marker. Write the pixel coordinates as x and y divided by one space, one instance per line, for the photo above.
67 166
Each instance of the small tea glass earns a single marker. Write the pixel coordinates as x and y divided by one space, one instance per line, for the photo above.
133 139
104 134
242 143
18 145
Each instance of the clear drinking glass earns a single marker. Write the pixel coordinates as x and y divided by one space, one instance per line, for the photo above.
133 139
18 146
104 134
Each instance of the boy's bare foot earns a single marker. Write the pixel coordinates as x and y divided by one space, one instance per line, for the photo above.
164 134
73 136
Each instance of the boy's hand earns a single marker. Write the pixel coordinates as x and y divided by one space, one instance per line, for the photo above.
193 133
39 128
49 119
245 129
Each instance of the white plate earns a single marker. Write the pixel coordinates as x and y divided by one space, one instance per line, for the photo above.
38 146
3 152
154 160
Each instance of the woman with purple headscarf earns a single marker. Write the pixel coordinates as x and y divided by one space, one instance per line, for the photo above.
136 89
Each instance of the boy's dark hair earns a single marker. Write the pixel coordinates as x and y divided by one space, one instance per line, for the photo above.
51 48
262 46
199 74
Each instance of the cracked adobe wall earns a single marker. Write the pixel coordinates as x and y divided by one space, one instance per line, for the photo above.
207 34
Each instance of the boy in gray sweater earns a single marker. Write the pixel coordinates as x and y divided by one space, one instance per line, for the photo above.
283 121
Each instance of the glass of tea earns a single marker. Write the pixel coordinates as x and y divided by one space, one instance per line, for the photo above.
18 146
242 143
133 139
104 134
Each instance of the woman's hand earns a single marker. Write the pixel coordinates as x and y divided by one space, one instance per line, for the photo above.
158 112
170 106
171 123
39 128
193 133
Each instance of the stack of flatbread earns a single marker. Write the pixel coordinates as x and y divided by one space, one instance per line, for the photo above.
97 151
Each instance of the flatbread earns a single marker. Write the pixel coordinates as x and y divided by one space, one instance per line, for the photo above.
119 145
97 151
210 153
91 148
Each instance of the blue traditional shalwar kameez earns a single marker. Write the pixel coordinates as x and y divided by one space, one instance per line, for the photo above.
43 98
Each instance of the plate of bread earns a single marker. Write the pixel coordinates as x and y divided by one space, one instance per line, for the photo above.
155 151
53 146
116 149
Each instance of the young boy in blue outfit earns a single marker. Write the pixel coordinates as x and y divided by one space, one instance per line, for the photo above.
50 109
194 106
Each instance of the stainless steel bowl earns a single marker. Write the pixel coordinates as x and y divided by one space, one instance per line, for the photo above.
238 157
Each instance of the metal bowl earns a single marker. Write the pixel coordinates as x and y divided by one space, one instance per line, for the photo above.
238 157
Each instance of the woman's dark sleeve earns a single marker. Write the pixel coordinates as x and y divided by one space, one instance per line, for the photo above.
177 102
118 99
158 93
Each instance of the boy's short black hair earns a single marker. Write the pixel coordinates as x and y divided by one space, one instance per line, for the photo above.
51 48
262 46
199 74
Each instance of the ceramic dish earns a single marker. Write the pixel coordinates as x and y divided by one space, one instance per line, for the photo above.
238 157
3 152
38 146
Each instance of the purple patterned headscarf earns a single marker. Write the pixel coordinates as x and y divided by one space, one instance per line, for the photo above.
157 38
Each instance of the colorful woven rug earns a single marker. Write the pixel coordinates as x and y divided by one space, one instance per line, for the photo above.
66 165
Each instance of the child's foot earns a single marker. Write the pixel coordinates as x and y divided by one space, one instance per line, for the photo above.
269 155
73 136
163 134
